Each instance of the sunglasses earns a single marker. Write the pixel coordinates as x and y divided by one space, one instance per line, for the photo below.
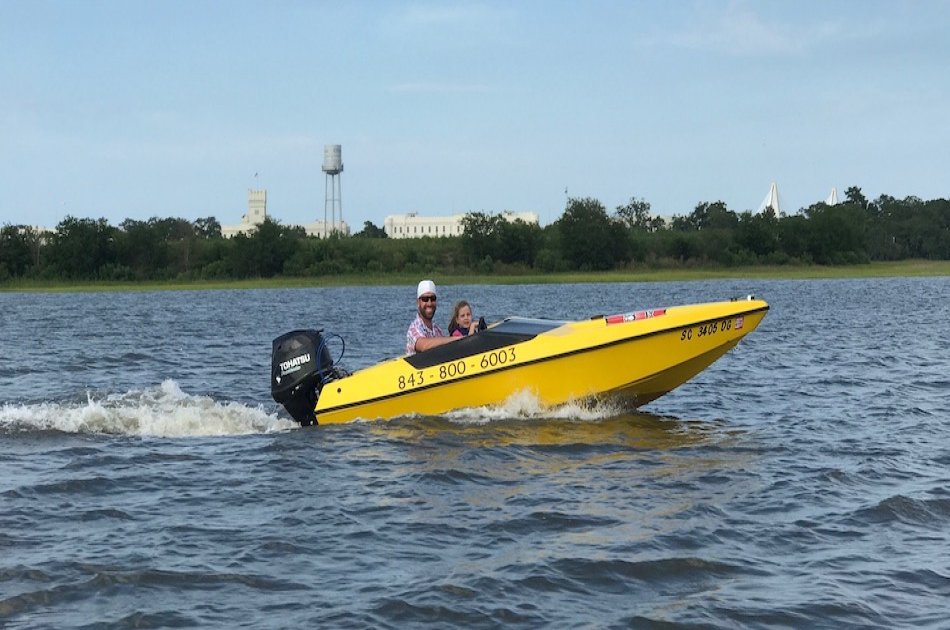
428 298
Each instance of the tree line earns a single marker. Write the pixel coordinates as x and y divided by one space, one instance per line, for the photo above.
586 237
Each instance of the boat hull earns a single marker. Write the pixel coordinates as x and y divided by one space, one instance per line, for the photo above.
635 357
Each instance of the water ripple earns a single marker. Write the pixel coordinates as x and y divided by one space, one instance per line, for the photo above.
147 479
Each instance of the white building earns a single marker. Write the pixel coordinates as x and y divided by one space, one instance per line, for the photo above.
256 213
324 229
412 225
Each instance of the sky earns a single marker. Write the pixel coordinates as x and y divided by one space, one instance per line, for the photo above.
173 108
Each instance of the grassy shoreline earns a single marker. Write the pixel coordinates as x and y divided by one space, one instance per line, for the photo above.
904 268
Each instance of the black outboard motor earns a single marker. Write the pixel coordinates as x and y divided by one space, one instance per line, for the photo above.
300 365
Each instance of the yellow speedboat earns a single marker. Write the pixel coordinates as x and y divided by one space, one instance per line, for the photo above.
636 356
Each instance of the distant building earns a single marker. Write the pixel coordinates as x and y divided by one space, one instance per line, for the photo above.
412 225
771 201
323 229
37 229
256 213
42 235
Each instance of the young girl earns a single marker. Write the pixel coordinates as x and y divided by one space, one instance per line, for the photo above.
461 322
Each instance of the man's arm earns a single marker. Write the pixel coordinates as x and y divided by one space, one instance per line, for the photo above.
425 343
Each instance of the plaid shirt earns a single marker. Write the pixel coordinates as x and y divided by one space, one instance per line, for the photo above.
418 330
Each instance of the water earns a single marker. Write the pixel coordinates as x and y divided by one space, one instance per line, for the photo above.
148 480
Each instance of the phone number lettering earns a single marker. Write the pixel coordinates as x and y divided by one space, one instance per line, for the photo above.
497 357
455 369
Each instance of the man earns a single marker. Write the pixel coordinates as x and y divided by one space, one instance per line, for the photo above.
423 333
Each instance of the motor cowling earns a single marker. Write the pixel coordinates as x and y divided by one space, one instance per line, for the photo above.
300 365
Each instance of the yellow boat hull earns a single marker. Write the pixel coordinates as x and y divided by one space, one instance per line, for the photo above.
636 357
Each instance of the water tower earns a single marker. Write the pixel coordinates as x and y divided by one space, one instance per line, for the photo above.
333 193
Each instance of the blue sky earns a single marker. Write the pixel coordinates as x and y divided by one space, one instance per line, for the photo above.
138 109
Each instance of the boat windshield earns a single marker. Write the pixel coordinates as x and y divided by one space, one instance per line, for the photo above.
510 331
525 326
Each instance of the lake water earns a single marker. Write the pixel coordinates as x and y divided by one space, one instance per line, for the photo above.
147 479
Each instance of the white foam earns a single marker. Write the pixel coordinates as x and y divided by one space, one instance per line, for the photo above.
163 411
525 405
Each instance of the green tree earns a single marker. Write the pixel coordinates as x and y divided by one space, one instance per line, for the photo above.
837 233
681 223
714 226
909 228
793 237
82 248
370 230
636 215
758 234
518 242
590 240
207 228
181 236
480 236
712 216
679 245
855 196
264 252
15 250
141 248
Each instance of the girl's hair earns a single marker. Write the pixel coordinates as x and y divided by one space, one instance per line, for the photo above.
454 322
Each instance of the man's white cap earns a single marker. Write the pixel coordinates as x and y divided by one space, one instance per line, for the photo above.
426 286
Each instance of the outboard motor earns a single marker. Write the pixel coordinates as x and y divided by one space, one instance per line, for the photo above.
300 365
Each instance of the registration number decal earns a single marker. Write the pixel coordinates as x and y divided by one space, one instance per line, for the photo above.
707 329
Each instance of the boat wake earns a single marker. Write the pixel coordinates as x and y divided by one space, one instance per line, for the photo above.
167 411
524 405
162 411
